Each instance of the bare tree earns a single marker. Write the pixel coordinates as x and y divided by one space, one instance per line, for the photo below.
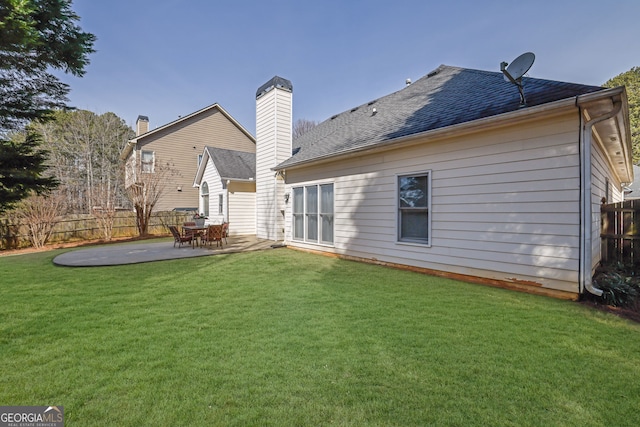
105 209
85 149
40 213
146 191
303 126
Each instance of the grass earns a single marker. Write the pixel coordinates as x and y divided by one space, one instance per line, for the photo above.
284 338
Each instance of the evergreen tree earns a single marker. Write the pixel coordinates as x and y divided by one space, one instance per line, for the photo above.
21 170
631 79
35 36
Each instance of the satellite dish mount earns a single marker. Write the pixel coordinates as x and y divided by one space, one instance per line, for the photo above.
513 72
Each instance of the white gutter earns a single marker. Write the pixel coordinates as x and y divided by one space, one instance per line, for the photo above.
585 194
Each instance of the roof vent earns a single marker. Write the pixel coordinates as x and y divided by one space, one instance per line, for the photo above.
408 82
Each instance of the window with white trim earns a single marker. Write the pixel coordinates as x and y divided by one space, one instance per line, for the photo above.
147 159
220 203
298 213
204 193
312 213
413 208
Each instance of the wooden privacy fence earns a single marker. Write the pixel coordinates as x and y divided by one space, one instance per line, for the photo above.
620 232
85 227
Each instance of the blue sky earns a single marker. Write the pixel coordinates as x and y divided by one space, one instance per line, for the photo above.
166 59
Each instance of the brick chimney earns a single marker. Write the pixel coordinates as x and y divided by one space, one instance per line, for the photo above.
274 130
142 125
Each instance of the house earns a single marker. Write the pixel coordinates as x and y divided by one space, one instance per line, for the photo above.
178 146
226 179
451 175
274 128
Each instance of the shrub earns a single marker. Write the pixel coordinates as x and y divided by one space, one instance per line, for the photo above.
41 213
620 284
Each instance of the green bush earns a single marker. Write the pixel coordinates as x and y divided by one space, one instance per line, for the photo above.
620 284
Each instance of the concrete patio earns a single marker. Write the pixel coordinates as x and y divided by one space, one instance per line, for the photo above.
134 253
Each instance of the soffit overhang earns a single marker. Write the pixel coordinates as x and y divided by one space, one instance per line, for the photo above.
613 135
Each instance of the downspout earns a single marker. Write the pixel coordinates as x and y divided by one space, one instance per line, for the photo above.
585 196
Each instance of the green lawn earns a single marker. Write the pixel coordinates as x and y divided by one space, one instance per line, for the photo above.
284 338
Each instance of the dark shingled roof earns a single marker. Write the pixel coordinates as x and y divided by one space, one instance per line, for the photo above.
447 96
233 164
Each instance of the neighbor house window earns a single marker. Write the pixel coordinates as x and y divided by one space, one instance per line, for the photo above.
204 193
220 201
313 213
146 161
413 208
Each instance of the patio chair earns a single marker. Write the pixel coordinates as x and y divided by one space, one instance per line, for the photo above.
179 238
225 231
213 234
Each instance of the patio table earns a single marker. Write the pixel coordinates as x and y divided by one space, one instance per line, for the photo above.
197 233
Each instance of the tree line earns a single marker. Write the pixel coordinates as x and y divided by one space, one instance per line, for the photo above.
84 150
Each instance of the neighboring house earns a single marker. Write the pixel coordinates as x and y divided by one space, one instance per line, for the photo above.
226 179
450 175
180 145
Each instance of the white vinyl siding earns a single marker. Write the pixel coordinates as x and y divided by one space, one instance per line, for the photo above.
273 131
238 202
242 208
216 189
504 203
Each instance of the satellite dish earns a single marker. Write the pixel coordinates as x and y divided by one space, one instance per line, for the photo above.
513 72
520 66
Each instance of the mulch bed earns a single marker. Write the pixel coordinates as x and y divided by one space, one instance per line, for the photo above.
625 313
